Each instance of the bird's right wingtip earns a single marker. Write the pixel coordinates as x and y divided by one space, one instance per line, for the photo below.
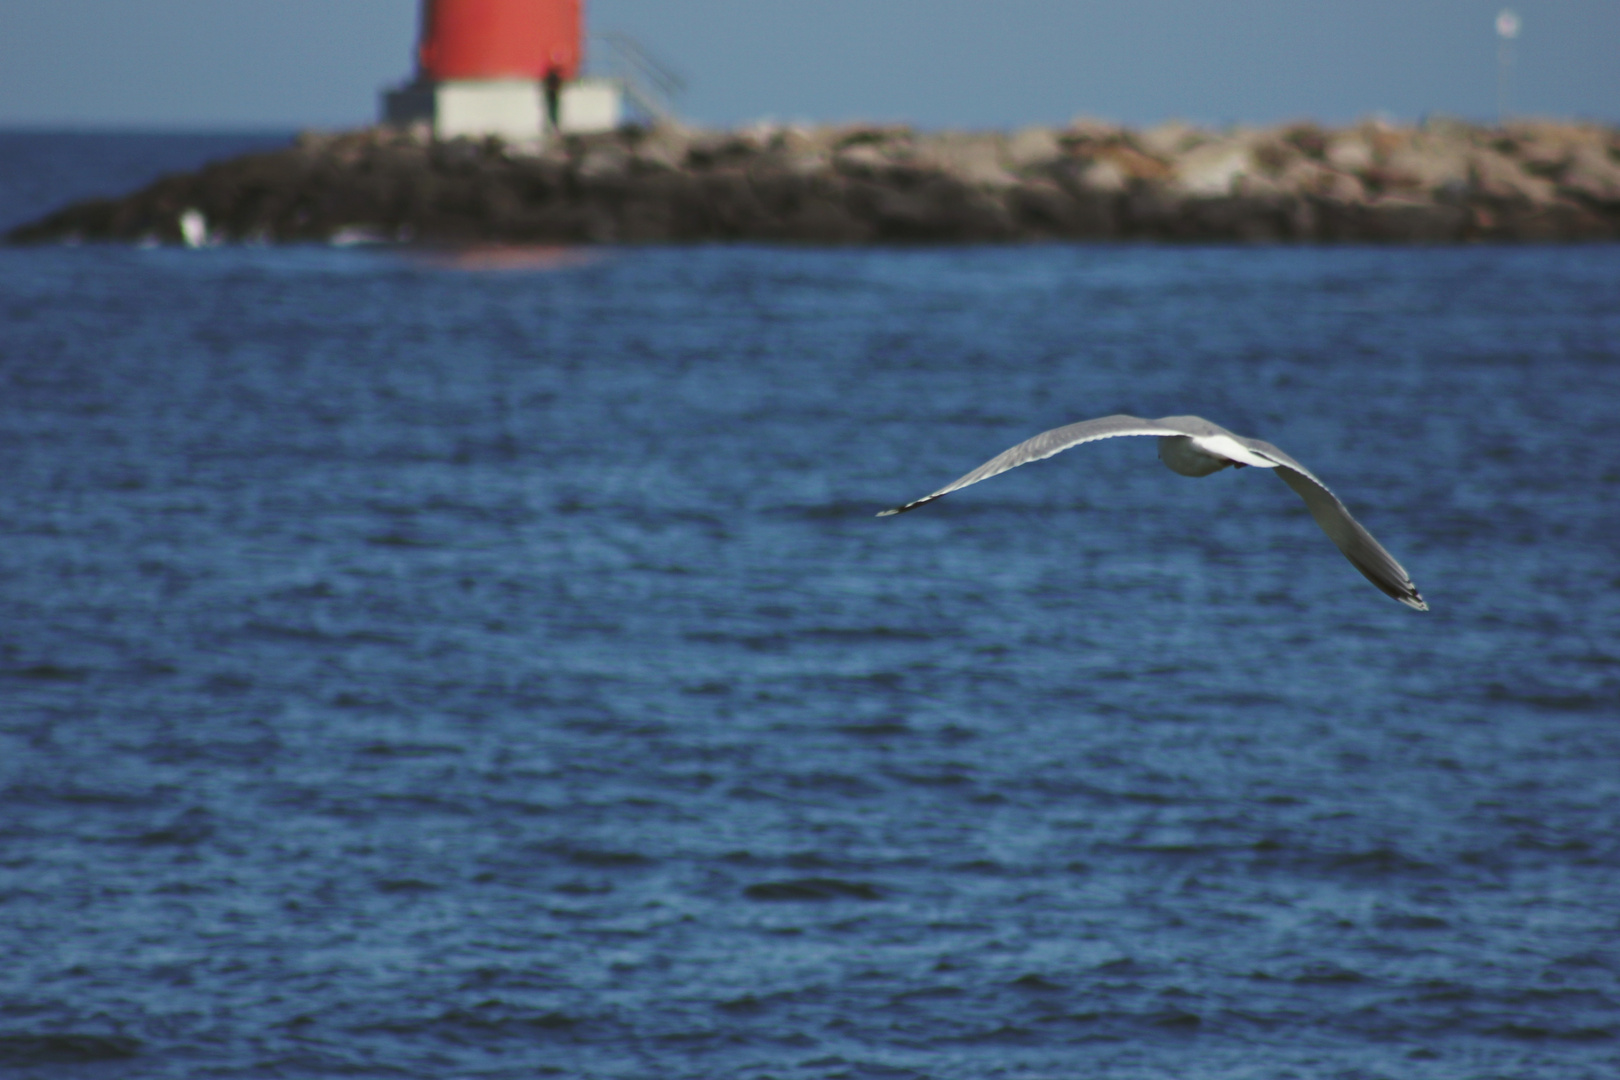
903 507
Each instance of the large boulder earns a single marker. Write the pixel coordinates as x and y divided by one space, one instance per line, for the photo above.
1592 175
973 159
1495 177
1213 169
1032 148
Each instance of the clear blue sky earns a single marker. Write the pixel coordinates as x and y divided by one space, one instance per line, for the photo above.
234 64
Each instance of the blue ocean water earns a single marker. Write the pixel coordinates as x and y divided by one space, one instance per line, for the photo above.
487 664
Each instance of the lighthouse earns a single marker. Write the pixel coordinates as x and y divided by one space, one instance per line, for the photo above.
510 68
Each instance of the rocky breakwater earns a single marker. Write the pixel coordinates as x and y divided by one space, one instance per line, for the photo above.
1440 182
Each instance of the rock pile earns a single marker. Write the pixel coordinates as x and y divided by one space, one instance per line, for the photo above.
1444 181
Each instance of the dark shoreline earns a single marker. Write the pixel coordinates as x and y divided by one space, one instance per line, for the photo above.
1441 182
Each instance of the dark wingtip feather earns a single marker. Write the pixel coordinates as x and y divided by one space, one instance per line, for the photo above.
891 511
1404 590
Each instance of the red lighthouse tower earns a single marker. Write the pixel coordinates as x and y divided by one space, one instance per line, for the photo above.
495 39
503 67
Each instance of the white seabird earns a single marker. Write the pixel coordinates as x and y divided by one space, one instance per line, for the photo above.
1192 446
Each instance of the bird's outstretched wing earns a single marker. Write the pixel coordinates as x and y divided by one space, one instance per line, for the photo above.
1348 535
1045 445
1365 554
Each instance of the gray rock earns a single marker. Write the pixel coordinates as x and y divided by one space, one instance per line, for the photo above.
972 159
1350 151
604 161
1103 175
1171 138
1212 169
1031 148
1592 175
1426 165
1496 176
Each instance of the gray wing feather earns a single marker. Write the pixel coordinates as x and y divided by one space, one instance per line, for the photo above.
1365 554
1051 442
1348 535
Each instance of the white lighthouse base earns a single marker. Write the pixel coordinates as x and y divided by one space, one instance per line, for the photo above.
589 105
512 109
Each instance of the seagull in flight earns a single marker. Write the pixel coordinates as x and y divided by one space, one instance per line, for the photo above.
1193 446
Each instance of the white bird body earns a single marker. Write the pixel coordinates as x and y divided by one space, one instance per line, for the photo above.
1199 457
1193 446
